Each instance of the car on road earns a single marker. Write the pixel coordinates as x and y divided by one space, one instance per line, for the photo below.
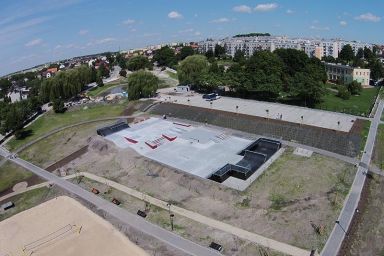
211 96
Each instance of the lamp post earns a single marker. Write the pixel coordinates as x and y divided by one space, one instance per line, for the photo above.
210 103
302 119
171 216
189 102
237 109
267 110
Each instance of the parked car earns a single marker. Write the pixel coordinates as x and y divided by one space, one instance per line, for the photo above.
115 201
211 96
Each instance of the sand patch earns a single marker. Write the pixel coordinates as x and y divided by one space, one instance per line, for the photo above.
63 226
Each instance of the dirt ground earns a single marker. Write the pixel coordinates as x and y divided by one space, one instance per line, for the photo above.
185 227
62 226
367 237
295 196
59 145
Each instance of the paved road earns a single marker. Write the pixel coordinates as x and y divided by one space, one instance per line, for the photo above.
127 218
336 238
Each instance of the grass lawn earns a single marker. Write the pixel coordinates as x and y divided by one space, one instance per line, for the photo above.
225 62
172 75
364 133
298 190
378 156
51 120
10 174
356 105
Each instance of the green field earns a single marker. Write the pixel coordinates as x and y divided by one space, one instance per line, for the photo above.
378 156
51 121
172 75
28 200
364 134
356 105
10 174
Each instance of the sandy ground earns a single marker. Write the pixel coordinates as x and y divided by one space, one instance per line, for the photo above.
57 223
304 189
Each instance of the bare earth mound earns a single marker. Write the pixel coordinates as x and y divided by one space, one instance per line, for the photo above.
62 226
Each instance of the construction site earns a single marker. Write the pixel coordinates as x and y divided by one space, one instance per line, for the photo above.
240 175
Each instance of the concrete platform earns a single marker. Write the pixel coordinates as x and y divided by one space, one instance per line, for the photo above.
318 118
197 150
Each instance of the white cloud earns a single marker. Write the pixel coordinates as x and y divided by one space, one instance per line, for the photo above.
34 42
266 7
197 33
368 17
174 15
242 8
105 40
343 23
289 11
83 32
319 28
188 30
221 20
128 22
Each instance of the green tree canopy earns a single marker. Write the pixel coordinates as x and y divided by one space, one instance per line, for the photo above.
165 56
186 51
138 62
219 51
193 69
239 57
142 84
346 54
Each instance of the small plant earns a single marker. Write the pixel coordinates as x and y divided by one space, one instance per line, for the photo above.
278 201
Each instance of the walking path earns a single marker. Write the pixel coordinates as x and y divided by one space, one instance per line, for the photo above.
241 233
338 233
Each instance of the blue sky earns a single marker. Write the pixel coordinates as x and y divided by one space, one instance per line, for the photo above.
36 31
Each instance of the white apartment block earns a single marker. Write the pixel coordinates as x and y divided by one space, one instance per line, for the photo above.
347 74
312 47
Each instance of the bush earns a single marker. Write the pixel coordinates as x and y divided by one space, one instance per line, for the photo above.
142 84
343 93
354 88
123 73
58 106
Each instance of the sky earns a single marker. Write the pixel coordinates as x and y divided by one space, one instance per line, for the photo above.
33 32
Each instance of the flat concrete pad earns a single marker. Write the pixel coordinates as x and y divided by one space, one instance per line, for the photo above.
197 150
301 115
302 152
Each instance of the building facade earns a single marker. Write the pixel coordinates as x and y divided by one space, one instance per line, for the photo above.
347 74
312 47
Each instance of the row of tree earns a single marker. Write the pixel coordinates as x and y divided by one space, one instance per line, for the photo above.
264 75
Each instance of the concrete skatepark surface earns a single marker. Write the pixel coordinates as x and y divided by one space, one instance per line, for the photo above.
317 118
62 226
197 150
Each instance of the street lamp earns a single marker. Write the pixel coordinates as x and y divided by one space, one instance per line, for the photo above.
267 110
237 109
171 216
210 103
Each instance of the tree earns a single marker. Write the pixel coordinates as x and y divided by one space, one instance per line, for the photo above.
58 106
307 89
142 84
99 81
377 69
219 51
264 70
103 71
185 52
368 54
329 59
360 53
110 58
138 62
239 57
165 56
343 92
123 73
121 61
192 69
354 88
346 54
209 54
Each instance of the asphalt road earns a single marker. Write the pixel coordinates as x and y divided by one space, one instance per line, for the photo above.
336 238
128 218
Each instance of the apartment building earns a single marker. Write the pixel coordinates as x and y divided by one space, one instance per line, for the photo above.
347 74
312 47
